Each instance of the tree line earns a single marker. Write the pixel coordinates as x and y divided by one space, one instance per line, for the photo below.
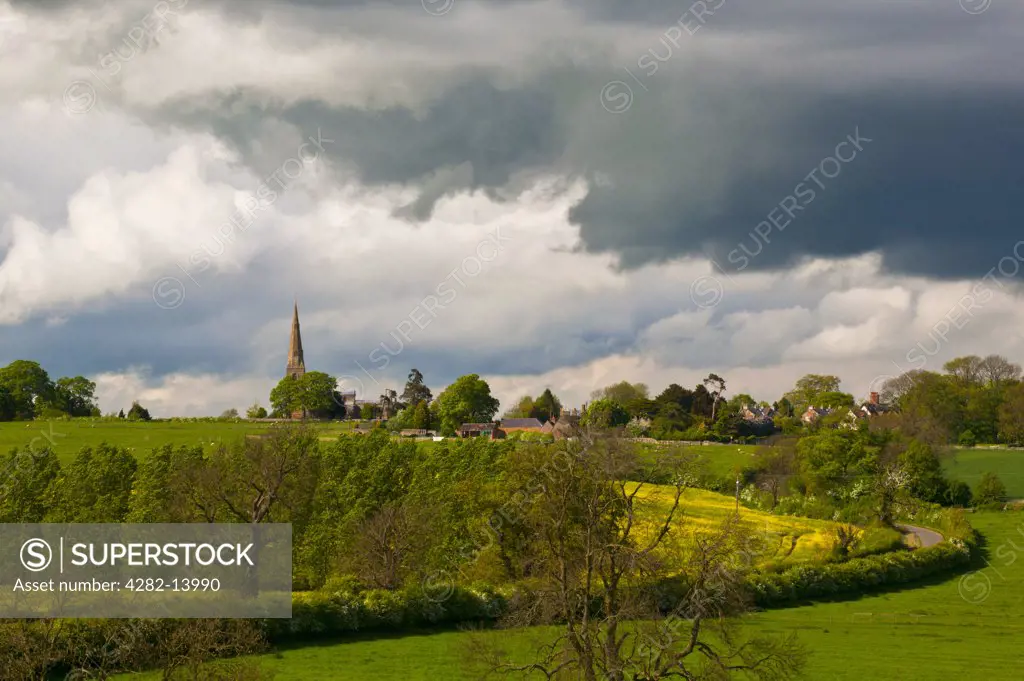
372 512
27 392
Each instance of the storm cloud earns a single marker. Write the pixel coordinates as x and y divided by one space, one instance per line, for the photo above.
794 151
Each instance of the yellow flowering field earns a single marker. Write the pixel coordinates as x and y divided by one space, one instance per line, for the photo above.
787 538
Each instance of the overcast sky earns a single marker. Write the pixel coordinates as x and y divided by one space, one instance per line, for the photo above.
551 193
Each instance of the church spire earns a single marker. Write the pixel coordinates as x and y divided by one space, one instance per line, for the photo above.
296 362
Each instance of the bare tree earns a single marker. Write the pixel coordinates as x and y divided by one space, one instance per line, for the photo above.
997 370
183 649
390 545
597 559
845 538
29 649
966 371
896 387
116 645
775 466
265 479
890 484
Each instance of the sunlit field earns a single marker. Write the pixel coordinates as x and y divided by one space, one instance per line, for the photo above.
787 538
960 627
66 438
969 465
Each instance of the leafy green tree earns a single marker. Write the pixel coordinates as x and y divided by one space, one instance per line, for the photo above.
677 395
642 408
924 471
981 411
467 400
229 414
958 494
622 392
831 457
8 406
703 402
522 408
809 389
784 408
29 386
604 413
165 483
313 393
358 475
26 479
256 411
932 410
285 398
94 488
415 390
138 413
546 406
1011 415
76 396
317 392
736 402
834 400
421 416
990 490
775 467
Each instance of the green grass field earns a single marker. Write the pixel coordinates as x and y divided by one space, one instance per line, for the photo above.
970 464
66 438
718 460
916 634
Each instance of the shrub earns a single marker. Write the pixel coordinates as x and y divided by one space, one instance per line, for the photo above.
967 439
806 582
990 490
341 607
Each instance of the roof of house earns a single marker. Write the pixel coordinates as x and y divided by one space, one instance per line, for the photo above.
522 423
481 427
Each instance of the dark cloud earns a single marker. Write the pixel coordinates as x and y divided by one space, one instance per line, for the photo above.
706 152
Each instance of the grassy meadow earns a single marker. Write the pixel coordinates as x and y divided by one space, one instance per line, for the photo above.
970 464
67 437
915 634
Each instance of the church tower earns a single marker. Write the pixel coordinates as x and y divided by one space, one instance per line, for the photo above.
296 363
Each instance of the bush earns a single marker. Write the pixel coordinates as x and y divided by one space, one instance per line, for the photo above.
967 439
805 582
990 490
341 607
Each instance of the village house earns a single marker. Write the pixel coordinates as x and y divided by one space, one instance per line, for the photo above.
530 425
870 409
814 413
757 414
565 425
488 430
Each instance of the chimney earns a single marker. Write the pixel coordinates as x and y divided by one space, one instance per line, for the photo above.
873 398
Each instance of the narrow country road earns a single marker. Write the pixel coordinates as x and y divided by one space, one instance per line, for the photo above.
919 537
